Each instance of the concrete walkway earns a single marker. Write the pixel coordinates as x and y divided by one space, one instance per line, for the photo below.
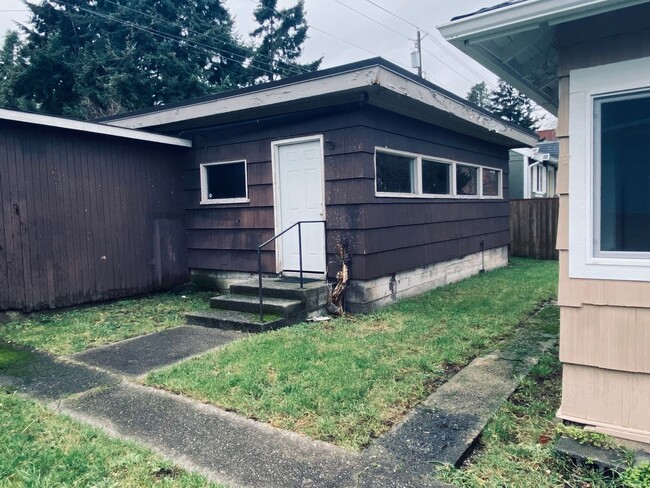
142 354
243 453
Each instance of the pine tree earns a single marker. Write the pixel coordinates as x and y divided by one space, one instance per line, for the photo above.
511 105
280 38
479 95
89 58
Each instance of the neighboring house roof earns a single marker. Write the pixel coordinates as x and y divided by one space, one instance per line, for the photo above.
549 147
543 151
95 128
517 40
374 81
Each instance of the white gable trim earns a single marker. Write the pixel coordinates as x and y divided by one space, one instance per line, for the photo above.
94 128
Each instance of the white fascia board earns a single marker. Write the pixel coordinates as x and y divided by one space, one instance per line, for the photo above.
340 82
434 99
359 78
524 16
94 128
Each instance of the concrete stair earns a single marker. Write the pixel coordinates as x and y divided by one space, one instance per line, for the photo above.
285 303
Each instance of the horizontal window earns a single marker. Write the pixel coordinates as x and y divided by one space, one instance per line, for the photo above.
401 174
466 180
224 182
436 177
491 182
395 174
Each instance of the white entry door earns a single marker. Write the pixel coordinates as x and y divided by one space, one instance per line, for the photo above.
299 196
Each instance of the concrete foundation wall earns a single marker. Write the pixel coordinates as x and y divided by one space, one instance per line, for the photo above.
364 296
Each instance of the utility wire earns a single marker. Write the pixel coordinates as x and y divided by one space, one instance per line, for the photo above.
337 38
436 41
183 42
214 37
373 20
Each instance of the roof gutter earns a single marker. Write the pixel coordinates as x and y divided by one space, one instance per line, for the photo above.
524 16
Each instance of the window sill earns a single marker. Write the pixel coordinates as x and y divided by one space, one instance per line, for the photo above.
225 201
432 197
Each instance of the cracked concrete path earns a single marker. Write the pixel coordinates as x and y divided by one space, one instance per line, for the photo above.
143 354
240 452
228 448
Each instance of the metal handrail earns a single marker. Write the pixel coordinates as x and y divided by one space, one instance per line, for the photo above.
259 256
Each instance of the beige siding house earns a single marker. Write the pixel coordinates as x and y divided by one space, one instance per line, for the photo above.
588 61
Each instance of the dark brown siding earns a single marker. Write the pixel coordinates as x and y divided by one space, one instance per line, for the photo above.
86 217
385 235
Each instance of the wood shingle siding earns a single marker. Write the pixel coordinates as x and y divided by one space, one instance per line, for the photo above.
385 235
86 217
604 323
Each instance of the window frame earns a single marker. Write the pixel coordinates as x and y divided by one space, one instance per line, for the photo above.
587 86
418 182
204 184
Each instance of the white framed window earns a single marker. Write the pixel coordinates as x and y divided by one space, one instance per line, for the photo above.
224 182
609 176
538 179
403 174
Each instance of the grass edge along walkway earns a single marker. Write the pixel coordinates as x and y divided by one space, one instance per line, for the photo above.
75 329
350 380
39 447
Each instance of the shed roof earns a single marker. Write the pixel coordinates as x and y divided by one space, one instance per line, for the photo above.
93 127
374 81
517 40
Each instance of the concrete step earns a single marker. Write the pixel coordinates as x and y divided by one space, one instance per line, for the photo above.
241 321
314 294
249 303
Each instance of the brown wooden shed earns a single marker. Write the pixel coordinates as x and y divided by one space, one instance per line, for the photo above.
87 212
411 179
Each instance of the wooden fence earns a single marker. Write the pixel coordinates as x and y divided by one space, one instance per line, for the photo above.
533 227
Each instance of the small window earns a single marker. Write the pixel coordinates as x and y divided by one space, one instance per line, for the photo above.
466 180
224 182
395 174
491 182
436 178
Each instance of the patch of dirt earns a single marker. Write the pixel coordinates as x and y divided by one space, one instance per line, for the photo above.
163 473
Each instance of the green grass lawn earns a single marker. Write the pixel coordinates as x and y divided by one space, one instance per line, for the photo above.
76 329
40 448
516 447
349 380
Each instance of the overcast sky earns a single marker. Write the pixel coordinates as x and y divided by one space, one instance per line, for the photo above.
342 35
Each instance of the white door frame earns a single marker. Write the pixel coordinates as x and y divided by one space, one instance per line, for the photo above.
275 145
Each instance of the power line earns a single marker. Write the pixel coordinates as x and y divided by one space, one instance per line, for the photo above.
183 42
436 41
294 70
337 37
394 15
374 20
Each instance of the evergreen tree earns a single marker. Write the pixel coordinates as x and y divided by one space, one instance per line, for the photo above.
507 103
280 38
479 95
90 58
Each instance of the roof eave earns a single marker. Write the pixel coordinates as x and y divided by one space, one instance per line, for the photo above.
363 79
91 127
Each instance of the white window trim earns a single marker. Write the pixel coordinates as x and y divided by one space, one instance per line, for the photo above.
586 85
452 177
221 201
